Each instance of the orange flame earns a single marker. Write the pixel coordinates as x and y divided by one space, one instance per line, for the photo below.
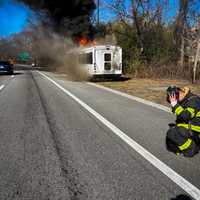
85 41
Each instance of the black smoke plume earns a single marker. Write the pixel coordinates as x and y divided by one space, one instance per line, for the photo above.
72 17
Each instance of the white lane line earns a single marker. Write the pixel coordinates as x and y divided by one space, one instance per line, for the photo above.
170 173
140 100
1 87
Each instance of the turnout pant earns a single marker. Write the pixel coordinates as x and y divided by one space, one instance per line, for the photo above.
181 140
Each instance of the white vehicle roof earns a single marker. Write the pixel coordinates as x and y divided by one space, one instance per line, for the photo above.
97 47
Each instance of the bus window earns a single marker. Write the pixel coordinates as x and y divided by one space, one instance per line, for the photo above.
86 58
107 66
89 58
107 56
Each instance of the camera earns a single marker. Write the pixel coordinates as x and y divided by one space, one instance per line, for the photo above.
172 91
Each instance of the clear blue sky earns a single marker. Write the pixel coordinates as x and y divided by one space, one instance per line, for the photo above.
13 17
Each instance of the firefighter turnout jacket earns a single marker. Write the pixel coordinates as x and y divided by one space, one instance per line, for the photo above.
188 114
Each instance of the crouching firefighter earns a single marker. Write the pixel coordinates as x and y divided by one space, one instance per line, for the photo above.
183 137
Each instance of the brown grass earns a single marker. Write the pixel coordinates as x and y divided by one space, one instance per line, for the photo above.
150 89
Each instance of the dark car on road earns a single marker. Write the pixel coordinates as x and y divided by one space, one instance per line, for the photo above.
6 67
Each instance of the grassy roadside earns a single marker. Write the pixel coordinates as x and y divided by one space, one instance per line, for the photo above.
150 89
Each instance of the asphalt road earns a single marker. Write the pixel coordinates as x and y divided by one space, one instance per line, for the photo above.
51 147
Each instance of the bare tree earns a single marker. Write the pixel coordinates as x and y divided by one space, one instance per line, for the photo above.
141 14
180 30
195 49
197 55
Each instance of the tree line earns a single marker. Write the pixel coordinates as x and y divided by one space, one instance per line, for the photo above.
154 43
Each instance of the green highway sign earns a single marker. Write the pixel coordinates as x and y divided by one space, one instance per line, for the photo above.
24 56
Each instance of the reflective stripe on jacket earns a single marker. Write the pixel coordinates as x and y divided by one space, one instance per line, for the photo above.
185 145
188 112
190 126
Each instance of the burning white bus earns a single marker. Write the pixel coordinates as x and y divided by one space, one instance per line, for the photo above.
101 60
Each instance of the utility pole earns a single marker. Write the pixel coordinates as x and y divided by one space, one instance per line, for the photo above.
98 4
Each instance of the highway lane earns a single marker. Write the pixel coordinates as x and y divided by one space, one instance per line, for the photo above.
18 69
29 166
5 79
144 123
190 169
52 148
